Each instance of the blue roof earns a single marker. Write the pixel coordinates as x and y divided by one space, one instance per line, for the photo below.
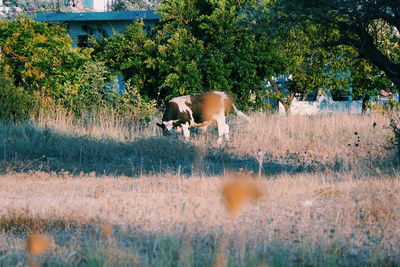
98 16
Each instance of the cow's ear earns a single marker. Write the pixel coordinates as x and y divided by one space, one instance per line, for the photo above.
161 125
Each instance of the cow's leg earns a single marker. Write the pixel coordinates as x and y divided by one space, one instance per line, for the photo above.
186 131
226 132
223 129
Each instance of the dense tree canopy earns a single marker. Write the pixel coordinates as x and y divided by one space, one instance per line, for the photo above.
39 5
371 27
312 69
198 46
131 53
42 61
202 45
119 5
228 57
46 57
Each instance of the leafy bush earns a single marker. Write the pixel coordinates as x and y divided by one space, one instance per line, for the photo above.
90 88
132 102
40 5
15 103
131 54
197 47
46 58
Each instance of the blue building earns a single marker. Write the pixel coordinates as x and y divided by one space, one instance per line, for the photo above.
81 25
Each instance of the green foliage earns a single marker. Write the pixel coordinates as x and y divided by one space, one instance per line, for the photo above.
47 60
314 68
121 5
50 69
367 79
89 89
369 27
199 46
205 37
40 5
179 61
15 103
132 54
325 47
133 103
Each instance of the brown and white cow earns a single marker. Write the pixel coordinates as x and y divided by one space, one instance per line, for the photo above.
199 111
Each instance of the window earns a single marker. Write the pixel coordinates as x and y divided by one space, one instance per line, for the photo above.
339 95
83 41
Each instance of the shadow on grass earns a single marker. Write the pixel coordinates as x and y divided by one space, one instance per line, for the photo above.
27 147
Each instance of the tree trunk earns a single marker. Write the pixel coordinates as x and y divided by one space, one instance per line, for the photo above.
286 104
364 104
287 108
367 49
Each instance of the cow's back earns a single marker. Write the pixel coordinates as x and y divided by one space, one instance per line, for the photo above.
205 106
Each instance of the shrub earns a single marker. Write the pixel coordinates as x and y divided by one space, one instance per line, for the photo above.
46 58
40 5
15 103
131 54
131 102
91 88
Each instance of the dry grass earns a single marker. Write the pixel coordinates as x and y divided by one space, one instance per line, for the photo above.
112 145
323 191
322 138
309 213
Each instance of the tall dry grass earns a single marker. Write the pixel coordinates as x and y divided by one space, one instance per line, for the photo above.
110 144
322 191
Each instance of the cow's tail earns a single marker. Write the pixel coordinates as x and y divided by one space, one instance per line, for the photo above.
241 114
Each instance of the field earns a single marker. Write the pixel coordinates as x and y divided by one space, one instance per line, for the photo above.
104 190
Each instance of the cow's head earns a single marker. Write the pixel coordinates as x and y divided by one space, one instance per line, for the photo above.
170 126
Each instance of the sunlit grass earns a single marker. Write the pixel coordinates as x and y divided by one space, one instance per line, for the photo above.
108 190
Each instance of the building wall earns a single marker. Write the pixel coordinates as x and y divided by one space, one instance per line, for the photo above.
77 28
324 105
101 5
88 3
97 5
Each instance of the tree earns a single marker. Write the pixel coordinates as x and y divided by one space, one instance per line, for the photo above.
367 80
223 54
40 5
121 5
15 103
179 59
131 53
312 69
47 65
371 27
47 57
198 46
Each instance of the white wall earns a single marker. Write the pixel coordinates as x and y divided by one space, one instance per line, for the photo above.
323 105
99 5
